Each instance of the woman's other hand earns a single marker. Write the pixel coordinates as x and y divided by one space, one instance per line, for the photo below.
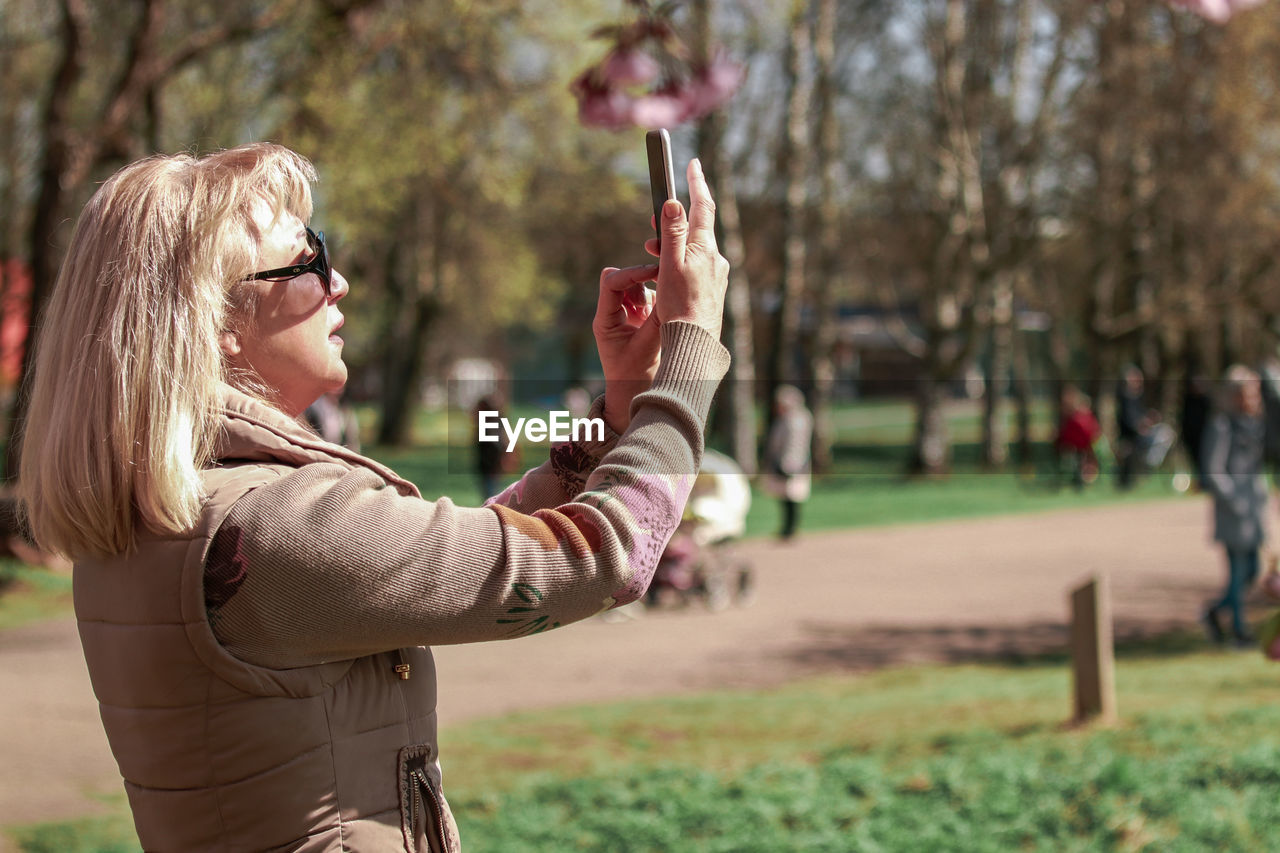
626 332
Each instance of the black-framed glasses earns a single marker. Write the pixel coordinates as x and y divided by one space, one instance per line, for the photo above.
319 264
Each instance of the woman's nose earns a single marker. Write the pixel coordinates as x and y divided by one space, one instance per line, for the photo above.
338 285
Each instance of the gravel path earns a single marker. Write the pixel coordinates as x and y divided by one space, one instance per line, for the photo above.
838 601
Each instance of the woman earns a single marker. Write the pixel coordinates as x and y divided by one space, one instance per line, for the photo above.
787 456
1232 459
254 602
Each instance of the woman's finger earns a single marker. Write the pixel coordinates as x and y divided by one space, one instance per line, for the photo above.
638 302
617 280
702 208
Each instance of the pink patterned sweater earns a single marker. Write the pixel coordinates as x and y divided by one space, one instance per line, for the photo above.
339 558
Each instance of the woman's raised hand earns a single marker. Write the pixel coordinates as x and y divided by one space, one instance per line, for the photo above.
692 274
692 277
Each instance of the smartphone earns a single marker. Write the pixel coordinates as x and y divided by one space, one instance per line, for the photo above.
662 177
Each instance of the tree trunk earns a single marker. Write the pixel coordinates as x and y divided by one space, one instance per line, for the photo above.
995 431
1020 369
828 228
414 312
48 209
931 445
737 412
786 331
404 375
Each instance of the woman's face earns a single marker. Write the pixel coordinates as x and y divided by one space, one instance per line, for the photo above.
291 342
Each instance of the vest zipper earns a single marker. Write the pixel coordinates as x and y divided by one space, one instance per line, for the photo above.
437 812
401 669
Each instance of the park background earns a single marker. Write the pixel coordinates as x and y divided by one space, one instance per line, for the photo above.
937 212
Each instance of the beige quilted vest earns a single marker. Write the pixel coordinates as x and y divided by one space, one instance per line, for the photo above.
219 754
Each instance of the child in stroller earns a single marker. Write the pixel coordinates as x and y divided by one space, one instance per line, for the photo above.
698 561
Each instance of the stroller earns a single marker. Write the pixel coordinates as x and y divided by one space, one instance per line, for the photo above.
698 562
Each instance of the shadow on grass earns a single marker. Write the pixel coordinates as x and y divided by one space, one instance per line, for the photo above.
870 647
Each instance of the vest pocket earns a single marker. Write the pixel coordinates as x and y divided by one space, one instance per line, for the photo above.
423 815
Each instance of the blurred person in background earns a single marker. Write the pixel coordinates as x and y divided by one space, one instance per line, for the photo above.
490 455
1143 440
787 456
1078 433
1197 403
1232 457
1269 375
254 602
1132 425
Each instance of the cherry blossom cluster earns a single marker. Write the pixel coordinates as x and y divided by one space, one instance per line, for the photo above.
1217 11
647 78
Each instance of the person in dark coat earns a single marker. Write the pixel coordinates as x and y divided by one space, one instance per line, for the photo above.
1233 474
1196 405
489 454
1132 425
1270 376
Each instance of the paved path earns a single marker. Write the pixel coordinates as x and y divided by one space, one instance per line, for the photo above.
840 601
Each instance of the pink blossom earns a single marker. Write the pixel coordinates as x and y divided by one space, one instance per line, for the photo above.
606 108
1217 10
713 85
630 68
661 109
600 104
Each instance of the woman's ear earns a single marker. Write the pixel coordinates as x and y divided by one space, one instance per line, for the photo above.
230 343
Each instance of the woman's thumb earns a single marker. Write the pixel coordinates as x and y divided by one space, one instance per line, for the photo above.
675 231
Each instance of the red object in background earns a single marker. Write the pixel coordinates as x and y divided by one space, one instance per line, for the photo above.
1078 431
15 325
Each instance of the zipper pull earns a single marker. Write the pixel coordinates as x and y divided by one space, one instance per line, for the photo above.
401 669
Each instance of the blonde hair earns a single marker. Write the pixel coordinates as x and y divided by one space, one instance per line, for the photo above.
128 364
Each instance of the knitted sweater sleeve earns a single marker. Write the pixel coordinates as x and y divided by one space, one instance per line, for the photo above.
329 563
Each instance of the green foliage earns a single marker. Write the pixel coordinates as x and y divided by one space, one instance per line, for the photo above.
1040 799
969 758
29 594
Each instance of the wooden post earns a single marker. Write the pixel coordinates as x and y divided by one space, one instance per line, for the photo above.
1093 660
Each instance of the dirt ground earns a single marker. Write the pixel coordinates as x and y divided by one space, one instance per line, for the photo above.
827 602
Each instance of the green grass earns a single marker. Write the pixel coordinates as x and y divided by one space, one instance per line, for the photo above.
29 594
110 833
966 758
962 758
867 486
865 490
